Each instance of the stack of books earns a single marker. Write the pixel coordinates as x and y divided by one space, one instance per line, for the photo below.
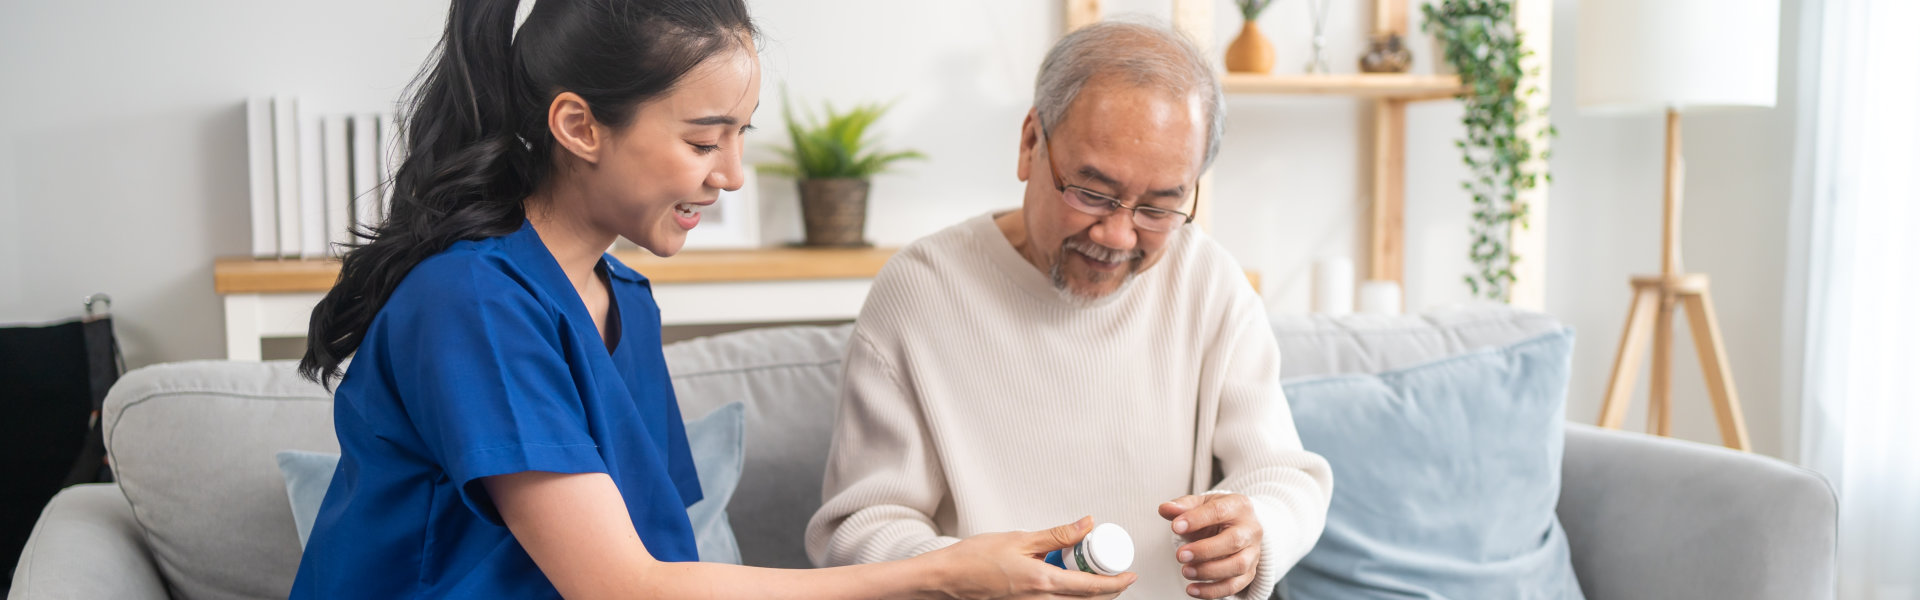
315 178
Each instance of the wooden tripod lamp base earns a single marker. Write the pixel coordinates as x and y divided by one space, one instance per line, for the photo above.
1655 298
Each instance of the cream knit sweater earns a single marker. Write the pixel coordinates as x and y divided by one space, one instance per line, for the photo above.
978 399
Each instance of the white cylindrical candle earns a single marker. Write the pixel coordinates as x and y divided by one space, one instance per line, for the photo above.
1380 297
1333 286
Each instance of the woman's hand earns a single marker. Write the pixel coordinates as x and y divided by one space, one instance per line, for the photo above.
1008 566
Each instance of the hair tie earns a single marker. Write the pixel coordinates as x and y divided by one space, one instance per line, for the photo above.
520 11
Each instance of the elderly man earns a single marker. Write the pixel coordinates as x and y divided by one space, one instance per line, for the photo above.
1090 353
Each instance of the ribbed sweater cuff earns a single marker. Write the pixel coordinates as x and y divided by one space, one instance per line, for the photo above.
1275 555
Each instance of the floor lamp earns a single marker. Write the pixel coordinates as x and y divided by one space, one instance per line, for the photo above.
1675 55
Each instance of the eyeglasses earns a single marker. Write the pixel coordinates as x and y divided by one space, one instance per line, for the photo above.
1149 218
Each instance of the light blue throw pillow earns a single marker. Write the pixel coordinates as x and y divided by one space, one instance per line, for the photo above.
719 451
307 475
1446 477
718 441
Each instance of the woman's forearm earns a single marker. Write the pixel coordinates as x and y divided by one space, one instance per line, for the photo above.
577 530
912 579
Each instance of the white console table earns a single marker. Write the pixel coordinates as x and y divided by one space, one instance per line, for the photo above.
267 298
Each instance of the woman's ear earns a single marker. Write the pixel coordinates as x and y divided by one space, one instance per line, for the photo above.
573 126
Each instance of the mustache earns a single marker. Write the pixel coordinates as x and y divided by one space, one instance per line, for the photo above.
1099 252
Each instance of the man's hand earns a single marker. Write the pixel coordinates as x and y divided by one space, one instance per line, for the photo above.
1223 551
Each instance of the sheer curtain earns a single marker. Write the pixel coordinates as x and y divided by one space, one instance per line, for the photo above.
1859 204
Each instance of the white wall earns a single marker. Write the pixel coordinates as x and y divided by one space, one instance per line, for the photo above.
122 167
122 143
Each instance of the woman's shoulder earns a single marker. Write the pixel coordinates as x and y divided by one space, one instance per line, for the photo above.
467 273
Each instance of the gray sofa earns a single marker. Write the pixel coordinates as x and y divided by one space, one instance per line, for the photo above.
200 510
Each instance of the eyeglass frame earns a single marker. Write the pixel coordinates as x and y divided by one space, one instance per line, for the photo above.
1061 186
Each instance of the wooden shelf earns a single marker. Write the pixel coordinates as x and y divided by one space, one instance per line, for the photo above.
267 276
1394 86
763 264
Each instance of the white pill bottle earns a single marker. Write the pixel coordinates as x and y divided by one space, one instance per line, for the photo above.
1107 550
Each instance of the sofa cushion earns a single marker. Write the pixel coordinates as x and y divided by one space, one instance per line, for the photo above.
715 440
718 441
1326 345
788 378
192 445
308 475
1448 474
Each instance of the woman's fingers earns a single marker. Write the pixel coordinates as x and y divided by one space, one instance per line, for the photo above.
1075 584
1042 542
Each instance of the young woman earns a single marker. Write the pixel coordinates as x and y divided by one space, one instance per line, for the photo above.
507 426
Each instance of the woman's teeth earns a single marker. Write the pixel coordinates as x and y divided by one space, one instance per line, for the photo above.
686 209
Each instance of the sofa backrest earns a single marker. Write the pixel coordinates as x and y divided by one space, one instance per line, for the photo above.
1313 345
788 377
789 380
192 445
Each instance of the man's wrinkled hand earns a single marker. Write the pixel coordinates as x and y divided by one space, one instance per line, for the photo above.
1222 553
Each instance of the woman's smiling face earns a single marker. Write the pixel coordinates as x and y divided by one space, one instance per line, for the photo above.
676 154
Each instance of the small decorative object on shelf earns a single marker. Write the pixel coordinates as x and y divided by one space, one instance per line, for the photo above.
1380 298
1333 286
1386 54
1318 65
834 160
1251 52
1479 39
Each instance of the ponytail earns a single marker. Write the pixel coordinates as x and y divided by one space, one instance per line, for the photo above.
475 135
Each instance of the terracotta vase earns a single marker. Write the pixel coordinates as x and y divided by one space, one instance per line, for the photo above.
834 211
1251 52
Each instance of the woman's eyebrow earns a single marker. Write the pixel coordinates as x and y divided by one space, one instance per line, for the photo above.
719 119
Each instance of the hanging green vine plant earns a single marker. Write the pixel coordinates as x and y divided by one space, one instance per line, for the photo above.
1479 39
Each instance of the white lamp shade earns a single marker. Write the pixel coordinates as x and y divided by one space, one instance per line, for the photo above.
1651 55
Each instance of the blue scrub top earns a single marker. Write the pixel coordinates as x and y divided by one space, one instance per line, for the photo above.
483 362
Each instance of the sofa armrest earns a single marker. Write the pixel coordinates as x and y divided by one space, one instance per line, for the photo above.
87 545
1651 517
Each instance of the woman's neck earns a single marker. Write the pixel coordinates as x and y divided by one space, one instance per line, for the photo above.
575 243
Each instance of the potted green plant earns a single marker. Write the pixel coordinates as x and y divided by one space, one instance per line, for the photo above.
1479 40
833 159
1251 52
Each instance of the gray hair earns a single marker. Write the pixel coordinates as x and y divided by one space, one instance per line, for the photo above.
1143 55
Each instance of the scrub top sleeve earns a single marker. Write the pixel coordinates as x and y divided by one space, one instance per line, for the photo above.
484 379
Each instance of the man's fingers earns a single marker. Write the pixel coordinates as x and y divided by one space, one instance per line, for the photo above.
1077 584
1177 506
1218 589
1056 538
1228 542
1245 562
1219 509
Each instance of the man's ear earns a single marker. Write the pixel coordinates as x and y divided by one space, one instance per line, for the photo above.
1029 143
574 128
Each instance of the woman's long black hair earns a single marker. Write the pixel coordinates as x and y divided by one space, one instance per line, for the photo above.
475 130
